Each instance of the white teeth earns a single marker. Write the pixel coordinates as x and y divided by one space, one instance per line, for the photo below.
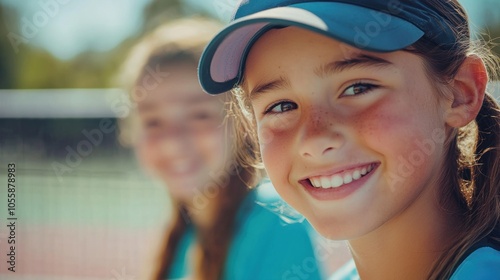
347 178
336 181
325 183
356 174
316 182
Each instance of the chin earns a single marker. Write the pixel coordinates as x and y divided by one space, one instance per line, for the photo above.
333 229
328 230
183 191
180 195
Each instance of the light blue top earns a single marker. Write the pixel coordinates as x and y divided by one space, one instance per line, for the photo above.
481 264
264 246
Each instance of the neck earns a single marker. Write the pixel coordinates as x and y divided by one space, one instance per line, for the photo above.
407 246
202 215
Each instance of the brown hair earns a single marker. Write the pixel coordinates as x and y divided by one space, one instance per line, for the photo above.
183 42
471 175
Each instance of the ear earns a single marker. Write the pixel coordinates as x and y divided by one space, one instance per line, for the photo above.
468 86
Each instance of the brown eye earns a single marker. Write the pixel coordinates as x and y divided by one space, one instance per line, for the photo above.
154 123
203 120
201 116
358 88
282 107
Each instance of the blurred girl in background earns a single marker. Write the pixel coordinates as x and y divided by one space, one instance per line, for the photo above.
221 227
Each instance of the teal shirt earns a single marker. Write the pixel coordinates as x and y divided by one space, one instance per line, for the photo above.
266 245
180 266
482 264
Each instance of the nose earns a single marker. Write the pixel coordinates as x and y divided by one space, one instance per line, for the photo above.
320 135
174 141
171 146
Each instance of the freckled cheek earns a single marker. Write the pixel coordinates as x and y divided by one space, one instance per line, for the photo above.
275 148
384 124
275 126
379 129
405 144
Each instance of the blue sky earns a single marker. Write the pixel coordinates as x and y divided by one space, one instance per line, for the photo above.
73 26
79 24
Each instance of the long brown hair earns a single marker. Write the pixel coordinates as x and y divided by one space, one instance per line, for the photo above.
182 42
471 175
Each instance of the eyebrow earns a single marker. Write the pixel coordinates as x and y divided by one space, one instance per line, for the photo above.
277 84
360 60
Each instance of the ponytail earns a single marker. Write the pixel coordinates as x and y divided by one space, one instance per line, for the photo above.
475 152
170 246
485 202
213 243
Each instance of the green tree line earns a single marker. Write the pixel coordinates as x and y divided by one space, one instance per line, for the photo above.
24 66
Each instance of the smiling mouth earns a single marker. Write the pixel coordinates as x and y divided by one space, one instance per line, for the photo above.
340 179
183 167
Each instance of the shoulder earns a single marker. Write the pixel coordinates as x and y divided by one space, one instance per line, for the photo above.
482 263
266 192
180 265
262 225
264 203
284 224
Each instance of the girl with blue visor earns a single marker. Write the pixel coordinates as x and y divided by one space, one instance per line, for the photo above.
373 121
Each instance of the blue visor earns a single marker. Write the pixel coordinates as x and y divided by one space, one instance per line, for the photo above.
372 25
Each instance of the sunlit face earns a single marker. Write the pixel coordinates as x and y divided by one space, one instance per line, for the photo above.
182 139
351 139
